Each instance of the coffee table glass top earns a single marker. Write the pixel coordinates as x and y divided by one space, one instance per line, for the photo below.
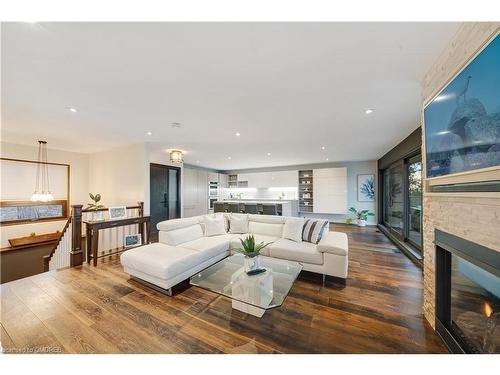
266 290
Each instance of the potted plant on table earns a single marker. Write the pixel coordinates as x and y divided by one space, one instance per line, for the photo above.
95 207
361 216
251 251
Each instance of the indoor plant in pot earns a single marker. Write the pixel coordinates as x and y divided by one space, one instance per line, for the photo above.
361 216
94 207
251 251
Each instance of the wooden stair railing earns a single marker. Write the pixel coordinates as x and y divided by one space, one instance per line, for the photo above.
73 242
47 258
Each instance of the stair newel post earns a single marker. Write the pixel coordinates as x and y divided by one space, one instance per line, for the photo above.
144 236
76 253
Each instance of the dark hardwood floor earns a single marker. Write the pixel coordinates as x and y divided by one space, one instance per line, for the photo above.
98 310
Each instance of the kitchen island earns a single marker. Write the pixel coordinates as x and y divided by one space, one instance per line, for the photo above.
284 207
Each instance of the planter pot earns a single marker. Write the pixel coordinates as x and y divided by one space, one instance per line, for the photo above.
361 223
252 264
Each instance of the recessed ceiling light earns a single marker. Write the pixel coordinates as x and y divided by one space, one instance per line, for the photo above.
237 134
268 154
323 147
149 133
176 124
327 159
368 111
229 158
71 109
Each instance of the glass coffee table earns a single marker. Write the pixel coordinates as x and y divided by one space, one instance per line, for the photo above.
251 294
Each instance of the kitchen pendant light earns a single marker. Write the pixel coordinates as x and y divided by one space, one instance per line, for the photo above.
42 186
176 156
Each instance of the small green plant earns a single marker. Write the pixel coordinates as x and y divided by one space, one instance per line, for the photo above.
348 220
249 248
95 206
362 214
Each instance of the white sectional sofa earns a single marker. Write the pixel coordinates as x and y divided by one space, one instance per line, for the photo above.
184 249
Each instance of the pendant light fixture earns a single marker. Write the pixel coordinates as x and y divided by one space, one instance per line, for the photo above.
42 186
176 156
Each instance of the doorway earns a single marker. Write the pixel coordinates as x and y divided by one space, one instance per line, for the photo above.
164 192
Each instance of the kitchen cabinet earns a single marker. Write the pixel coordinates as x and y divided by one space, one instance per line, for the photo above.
330 190
223 180
269 179
284 179
194 192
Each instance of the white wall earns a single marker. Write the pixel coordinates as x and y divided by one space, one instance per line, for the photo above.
119 175
79 179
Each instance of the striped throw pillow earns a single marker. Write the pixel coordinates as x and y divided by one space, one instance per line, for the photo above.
313 230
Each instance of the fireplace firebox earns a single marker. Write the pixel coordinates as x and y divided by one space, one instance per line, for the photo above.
467 295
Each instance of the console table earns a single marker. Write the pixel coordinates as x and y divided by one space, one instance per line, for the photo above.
92 232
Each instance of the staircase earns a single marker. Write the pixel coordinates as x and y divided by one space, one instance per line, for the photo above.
61 255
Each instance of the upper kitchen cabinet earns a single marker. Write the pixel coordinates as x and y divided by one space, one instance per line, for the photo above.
284 179
330 191
269 179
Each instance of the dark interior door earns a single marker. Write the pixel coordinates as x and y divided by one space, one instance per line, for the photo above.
164 195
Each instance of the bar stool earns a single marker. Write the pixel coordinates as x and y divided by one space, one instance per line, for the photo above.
250 208
219 207
269 209
234 208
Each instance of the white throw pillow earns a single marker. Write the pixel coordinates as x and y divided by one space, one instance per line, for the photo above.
214 226
238 224
292 229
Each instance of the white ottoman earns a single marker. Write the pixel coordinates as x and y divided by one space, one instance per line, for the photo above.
160 266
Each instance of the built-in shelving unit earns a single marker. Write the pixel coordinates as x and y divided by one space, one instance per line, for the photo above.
232 181
306 191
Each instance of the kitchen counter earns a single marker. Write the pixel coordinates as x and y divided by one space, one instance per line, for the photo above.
289 207
258 201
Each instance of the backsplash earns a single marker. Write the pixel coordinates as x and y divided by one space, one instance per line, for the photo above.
260 193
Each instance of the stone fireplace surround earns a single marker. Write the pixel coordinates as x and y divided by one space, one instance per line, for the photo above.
472 216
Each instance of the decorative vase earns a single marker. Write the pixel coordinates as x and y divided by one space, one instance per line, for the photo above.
252 263
361 223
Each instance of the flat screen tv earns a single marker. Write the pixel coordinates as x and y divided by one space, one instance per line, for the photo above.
462 123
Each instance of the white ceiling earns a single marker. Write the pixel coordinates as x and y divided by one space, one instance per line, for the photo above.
288 88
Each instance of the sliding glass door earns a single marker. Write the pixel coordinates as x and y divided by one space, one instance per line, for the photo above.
414 202
393 199
402 201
